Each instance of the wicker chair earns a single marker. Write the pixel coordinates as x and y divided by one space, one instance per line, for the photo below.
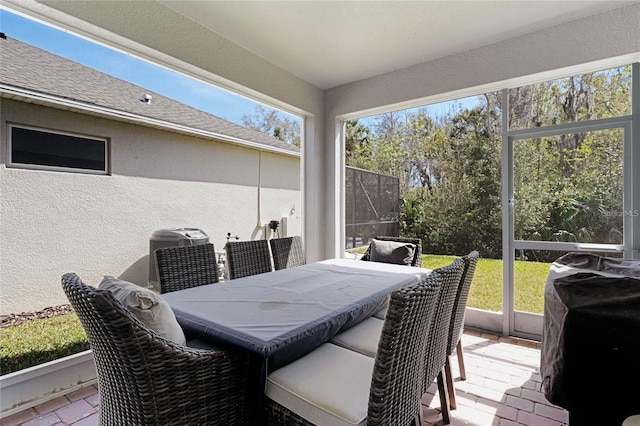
417 256
246 258
439 332
287 252
394 388
454 341
185 267
363 336
147 380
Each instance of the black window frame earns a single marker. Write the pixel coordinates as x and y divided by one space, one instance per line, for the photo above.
22 165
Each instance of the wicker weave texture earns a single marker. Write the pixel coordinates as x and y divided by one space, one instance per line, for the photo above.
438 332
398 375
417 256
246 258
460 302
287 252
147 380
185 267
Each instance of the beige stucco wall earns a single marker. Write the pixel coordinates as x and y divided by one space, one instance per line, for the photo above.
57 222
166 37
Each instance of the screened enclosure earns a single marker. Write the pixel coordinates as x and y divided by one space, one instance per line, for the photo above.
372 201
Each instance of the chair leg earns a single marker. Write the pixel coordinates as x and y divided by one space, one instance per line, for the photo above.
463 373
448 376
444 398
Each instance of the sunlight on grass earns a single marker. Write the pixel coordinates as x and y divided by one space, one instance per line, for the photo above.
36 342
486 287
530 278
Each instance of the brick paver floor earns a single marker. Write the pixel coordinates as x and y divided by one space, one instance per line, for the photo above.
502 389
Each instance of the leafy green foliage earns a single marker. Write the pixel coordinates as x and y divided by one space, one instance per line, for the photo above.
39 341
357 145
566 188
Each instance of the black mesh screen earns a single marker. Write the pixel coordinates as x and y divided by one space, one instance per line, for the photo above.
372 201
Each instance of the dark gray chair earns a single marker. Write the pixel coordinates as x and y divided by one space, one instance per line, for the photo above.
246 258
287 252
457 323
145 379
439 332
185 267
394 388
417 257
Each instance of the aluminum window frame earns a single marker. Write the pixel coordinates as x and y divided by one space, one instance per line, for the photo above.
525 324
105 171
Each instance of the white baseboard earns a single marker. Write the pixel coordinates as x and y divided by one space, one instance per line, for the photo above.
35 385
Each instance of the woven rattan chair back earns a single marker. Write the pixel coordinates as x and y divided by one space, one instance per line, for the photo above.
417 256
246 258
185 267
438 334
439 330
457 324
460 302
145 379
398 374
287 252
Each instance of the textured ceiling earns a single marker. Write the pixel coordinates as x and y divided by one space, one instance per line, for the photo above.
330 43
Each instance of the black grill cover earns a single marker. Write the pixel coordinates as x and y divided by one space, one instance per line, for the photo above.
591 337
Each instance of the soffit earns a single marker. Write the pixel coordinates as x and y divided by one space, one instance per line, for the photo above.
331 43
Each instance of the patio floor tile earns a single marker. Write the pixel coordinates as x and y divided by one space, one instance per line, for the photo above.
48 419
75 411
502 389
19 418
49 406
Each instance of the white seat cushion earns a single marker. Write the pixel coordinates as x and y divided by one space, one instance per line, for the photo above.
362 337
632 421
381 314
329 386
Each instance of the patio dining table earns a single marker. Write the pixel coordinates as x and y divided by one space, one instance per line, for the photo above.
282 315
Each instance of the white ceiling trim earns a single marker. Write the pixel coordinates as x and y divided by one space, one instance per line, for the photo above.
498 85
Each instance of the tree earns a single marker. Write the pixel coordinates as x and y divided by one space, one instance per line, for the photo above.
567 187
422 135
357 145
272 123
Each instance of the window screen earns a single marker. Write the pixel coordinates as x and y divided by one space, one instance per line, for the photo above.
42 149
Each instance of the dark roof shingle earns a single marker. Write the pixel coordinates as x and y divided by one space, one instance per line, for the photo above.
27 67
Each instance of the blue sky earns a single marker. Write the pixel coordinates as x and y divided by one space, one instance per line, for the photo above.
189 91
157 79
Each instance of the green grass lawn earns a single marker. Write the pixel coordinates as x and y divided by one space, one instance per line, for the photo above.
486 287
39 341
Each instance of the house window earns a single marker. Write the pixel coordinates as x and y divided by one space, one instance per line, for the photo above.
34 148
